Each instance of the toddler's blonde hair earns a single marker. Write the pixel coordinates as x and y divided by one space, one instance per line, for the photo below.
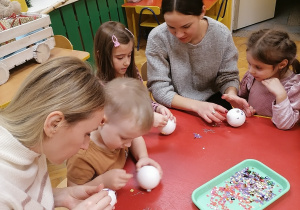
128 98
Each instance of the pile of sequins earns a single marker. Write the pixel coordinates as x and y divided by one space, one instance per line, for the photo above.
244 187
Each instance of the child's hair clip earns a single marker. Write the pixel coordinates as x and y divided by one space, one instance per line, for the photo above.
115 41
129 32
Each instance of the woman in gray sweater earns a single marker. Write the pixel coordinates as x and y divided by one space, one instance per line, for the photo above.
192 61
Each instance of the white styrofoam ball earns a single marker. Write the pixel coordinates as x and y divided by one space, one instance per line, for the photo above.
236 117
169 128
148 177
113 196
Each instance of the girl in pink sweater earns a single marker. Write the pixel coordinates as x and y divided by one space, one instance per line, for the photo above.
272 83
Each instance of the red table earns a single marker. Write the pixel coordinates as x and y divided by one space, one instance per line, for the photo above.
189 162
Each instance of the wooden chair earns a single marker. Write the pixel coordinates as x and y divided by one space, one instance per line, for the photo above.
4 105
62 42
144 77
221 2
63 184
151 20
144 71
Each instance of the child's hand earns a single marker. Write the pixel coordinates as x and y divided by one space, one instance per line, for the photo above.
166 112
276 88
148 161
115 179
159 120
240 103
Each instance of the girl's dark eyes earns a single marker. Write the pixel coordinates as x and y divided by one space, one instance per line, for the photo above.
257 67
120 58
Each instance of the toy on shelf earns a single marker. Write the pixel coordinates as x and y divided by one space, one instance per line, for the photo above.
7 8
23 37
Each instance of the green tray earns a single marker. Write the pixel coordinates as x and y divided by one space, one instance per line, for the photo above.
201 195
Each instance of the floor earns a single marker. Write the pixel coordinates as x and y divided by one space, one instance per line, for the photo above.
287 17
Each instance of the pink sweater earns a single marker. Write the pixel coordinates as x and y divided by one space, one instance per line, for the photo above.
285 114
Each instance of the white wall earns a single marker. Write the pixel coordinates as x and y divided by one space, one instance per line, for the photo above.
248 12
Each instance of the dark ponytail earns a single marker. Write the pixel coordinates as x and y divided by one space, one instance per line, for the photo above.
186 7
296 66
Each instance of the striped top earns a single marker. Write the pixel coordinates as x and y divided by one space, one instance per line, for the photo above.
285 114
24 178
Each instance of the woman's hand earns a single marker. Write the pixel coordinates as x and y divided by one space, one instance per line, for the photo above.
148 161
82 197
115 179
210 112
238 102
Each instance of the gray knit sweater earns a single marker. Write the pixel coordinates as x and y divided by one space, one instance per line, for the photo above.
192 71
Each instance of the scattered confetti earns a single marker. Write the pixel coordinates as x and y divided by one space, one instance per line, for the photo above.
216 125
197 135
244 187
140 192
208 130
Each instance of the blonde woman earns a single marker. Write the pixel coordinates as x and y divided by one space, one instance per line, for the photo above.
51 116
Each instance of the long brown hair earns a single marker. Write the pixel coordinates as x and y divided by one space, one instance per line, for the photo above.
103 46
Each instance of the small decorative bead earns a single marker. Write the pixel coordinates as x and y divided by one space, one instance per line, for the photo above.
245 187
